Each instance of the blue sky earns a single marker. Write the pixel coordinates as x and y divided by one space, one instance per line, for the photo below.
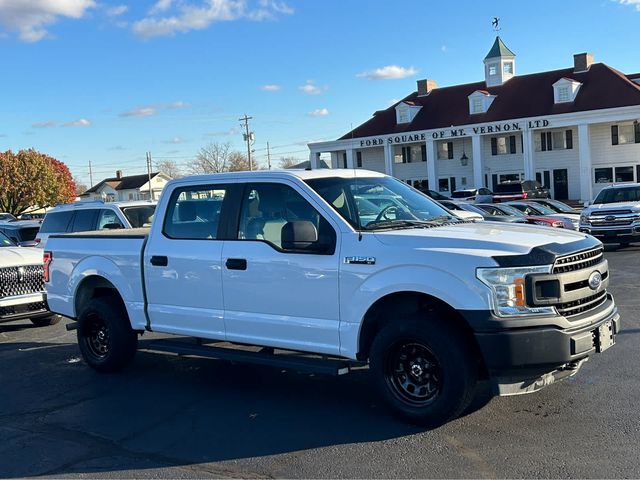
107 81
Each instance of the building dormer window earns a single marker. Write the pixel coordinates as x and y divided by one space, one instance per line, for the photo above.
493 69
480 101
406 112
565 90
508 67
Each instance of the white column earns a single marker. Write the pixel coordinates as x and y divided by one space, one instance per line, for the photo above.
350 158
314 160
476 154
388 159
527 155
431 164
584 155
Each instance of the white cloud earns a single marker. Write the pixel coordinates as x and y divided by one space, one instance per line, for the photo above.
169 17
175 105
443 49
634 3
82 122
49 124
320 112
31 17
310 88
117 10
270 88
390 72
174 141
147 111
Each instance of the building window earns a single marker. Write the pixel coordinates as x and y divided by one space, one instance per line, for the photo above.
508 67
344 160
604 175
403 115
493 69
624 174
359 159
445 150
423 152
503 145
477 105
511 177
556 140
563 94
627 133
443 185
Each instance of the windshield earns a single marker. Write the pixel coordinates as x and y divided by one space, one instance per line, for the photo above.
536 209
463 193
558 207
374 203
5 241
139 216
6 216
509 210
613 195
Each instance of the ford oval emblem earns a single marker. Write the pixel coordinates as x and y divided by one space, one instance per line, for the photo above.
609 218
595 280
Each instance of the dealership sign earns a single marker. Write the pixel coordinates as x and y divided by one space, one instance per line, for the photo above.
493 128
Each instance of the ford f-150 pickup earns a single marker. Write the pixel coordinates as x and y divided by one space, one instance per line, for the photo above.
310 270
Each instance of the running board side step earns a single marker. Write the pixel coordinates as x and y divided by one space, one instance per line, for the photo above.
266 356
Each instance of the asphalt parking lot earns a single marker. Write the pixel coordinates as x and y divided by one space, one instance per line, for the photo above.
188 418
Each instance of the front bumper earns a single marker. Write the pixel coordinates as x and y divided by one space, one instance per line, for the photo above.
19 307
526 359
621 234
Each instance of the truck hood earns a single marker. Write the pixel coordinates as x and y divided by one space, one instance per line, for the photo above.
481 238
19 256
613 206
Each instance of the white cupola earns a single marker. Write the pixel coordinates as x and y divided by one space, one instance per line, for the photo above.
499 64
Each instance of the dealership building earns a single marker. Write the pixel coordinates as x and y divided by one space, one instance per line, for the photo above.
574 130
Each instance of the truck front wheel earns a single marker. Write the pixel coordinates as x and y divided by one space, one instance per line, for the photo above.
105 337
424 370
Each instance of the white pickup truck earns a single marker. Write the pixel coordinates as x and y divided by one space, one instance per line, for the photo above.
314 270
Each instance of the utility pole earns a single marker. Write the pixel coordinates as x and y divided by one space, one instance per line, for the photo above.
248 137
149 174
268 156
90 175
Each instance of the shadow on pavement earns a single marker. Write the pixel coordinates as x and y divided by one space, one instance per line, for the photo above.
165 411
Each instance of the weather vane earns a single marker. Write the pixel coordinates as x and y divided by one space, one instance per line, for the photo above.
496 24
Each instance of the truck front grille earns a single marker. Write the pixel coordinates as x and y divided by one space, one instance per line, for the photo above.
21 280
604 213
579 261
15 310
582 305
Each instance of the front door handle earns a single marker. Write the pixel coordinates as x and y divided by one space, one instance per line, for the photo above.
236 264
159 261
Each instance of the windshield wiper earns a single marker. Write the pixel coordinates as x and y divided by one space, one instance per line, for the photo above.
432 222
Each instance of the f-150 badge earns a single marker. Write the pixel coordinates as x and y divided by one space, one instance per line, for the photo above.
360 260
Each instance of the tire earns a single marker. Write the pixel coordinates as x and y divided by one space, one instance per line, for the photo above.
425 371
46 321
106 340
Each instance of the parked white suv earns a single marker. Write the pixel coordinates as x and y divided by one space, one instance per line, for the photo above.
22 284
614 215
86 216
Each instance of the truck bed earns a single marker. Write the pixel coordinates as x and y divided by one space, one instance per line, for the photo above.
111 234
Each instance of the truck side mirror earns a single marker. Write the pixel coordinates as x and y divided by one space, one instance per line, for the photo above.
300 235
587 203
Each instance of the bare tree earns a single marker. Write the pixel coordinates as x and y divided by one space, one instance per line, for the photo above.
214 158
170 168
80 187
238 162
288 162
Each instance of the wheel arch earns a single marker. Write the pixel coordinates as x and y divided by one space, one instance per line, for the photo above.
91 287
408 304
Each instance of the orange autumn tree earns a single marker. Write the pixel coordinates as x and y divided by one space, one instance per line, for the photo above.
31 180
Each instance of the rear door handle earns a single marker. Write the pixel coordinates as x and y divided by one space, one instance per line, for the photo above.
159 261
236 264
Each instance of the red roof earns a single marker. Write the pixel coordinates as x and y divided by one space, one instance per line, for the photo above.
522 96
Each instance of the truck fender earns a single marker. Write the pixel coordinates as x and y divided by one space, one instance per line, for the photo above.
442 285
105 268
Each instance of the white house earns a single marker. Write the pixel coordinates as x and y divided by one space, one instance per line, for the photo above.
133 187
574 130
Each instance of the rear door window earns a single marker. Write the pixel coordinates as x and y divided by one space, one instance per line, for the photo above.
85 220
28 234
194 212
56 222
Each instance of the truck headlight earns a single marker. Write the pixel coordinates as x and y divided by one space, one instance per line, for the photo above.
584 219
508 290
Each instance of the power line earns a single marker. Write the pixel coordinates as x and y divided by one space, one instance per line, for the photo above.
248 137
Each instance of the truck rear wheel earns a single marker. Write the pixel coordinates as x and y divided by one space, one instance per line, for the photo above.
424 371
105 337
